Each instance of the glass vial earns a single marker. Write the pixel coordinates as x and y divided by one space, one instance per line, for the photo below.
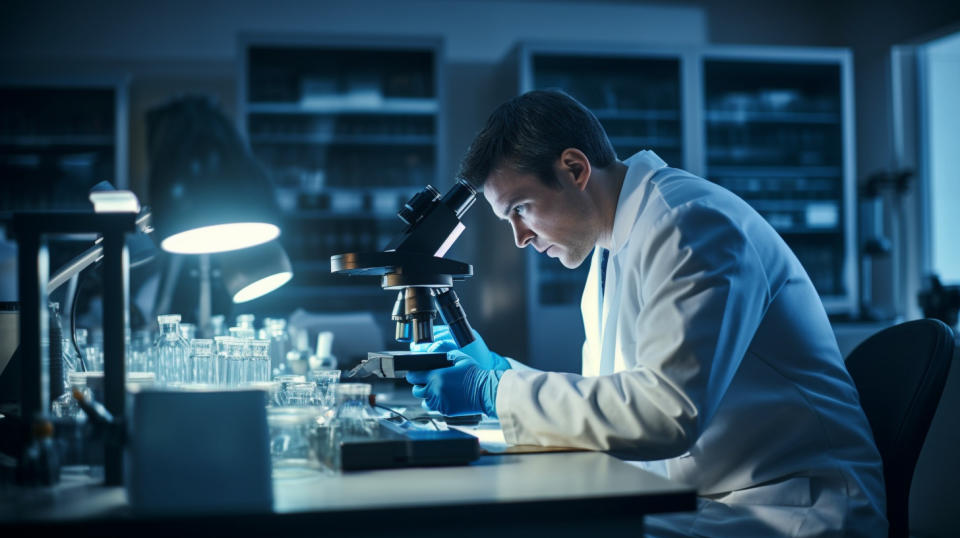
172 351
259 361
204 360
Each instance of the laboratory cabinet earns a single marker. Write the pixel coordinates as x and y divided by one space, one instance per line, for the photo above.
778 132
772 124
58 139
349 129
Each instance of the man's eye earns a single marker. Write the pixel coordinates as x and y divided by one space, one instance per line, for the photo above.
520 209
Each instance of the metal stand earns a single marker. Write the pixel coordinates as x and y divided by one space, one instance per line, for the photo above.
33 267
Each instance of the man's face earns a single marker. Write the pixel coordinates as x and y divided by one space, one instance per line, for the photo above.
555 221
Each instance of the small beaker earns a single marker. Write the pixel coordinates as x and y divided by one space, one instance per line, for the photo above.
300 394
325 381
284 381
291 431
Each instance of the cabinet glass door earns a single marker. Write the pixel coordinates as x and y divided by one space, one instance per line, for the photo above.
774 136
55 143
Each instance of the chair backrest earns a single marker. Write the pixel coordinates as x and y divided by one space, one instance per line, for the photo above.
900 373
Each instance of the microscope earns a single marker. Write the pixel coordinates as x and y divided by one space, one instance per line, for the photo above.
412 264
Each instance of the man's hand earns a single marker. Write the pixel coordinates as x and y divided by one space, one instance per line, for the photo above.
477 350
462 389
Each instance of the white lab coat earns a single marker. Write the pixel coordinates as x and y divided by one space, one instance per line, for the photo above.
710 357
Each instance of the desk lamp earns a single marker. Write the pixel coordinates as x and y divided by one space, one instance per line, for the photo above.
209 193
256 271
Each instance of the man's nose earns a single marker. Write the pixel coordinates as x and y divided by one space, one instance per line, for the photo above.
522 235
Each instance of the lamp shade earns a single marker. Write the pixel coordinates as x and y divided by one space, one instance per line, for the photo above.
253 272
208 193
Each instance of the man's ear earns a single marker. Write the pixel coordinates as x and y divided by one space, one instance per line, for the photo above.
575 165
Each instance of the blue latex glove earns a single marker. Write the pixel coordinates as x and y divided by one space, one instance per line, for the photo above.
462 389
478 350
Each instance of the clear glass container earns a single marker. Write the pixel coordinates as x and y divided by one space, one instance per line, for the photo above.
276 331
300 394
91 354
326 381
71 362
236 359
66 406
188 331
283 384
220 348
172 351
140 353
293 434
204 361
259 361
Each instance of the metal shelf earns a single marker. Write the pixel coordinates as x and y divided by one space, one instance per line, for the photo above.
761 116
41 141
342 105
356 140
645 141
627 114
774 171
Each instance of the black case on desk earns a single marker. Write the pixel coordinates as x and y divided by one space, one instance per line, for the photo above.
396 446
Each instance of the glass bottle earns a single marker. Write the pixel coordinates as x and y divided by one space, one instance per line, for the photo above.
173 352
221 347
66 406
188 331
276 331
204 361
236 360
259 361
139 359
71 363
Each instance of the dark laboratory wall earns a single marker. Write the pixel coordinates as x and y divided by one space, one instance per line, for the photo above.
869 29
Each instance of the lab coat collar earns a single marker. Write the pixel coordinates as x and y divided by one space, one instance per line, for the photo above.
640 167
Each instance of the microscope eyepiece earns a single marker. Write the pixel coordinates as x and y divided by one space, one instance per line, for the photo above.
417 206
460 197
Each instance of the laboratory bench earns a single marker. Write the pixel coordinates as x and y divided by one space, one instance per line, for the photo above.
546 494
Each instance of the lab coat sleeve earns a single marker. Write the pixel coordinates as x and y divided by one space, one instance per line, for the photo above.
694 291
519 366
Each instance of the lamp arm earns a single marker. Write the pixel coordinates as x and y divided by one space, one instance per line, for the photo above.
88 257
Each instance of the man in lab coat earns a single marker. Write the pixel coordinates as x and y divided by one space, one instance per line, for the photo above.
708 354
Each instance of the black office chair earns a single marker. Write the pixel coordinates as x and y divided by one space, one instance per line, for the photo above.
900 373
